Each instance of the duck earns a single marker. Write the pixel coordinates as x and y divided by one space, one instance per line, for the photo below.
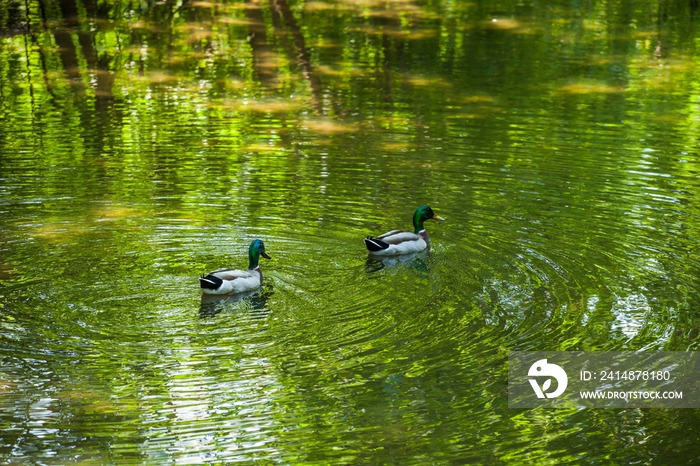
230 281
398 242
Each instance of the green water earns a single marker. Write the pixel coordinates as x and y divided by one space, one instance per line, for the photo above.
145 143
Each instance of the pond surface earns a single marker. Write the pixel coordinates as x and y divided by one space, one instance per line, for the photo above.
143 144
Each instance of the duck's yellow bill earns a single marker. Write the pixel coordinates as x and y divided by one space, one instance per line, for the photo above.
437 217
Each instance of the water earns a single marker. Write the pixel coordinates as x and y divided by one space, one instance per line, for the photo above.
143 145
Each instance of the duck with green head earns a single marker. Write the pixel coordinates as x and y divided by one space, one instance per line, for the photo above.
230 281
397 242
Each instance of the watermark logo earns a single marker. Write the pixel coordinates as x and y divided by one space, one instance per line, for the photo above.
604 379
542 368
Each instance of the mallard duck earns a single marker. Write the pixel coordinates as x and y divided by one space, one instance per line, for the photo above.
403 242
229 281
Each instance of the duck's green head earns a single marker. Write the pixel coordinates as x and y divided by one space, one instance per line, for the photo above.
422 214
256 249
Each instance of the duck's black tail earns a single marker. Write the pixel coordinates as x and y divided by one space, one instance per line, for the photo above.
210 282
374 244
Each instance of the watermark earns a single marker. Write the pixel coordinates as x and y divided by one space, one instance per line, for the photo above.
543 368
606 379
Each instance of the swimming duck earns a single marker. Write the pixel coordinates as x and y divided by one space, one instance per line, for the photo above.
229 281
403 242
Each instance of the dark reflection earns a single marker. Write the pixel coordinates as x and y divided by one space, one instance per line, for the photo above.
6 271
284 17
256 300
264 58
416 261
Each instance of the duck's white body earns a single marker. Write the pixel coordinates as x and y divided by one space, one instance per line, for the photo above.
233 281
398 242
230 281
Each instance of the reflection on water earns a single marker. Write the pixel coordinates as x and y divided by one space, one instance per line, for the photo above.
142 142
252 301
416 260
